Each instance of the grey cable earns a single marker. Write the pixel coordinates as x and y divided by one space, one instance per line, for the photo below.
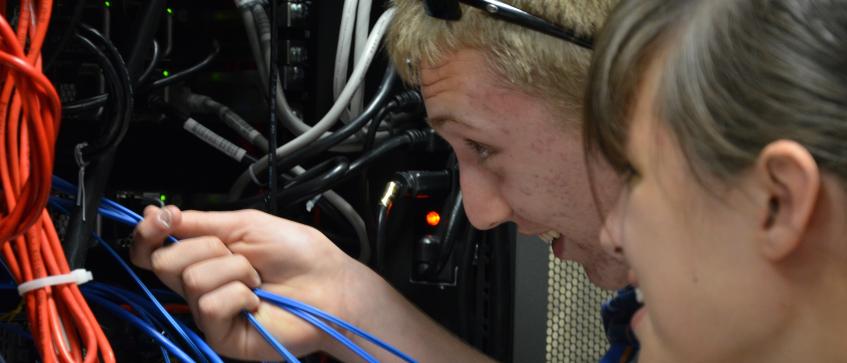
351 215
331 116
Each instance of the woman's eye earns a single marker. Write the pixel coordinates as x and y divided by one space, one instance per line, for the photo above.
629 173
483 152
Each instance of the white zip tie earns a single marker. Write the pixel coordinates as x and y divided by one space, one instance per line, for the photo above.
78 276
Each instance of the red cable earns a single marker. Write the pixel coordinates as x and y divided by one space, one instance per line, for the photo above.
30 111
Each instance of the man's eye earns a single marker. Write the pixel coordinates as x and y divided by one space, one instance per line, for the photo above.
482 151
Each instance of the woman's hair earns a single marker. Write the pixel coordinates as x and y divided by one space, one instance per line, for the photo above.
736 76
532 62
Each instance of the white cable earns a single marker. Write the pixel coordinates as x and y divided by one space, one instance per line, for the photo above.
334 112
342 48
326 122
261 46
253 38
78 276
363 23
350 214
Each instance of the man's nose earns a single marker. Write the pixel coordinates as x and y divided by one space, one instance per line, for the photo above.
484 204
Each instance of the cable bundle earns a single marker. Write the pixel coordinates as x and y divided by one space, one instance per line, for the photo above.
62 324
150 308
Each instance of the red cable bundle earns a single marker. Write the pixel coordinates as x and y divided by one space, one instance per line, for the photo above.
30 111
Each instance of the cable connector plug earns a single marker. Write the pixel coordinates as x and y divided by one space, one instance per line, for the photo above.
424 182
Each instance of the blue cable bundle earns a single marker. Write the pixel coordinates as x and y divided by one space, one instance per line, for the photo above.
150 308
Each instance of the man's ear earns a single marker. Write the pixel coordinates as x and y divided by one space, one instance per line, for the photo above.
791 184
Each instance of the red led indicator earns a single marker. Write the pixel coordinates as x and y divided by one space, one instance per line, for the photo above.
432 218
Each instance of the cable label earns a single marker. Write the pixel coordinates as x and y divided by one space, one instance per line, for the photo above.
213 139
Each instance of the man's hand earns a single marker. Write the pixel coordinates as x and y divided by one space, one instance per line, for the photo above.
222 256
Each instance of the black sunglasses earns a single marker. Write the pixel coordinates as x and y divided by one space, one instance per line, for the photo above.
450 10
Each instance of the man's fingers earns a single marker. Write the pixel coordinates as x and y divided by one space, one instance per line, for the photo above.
228 226
151 232
213 273
218 310
169 262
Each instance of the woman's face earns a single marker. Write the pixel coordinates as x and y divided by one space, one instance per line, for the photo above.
690 250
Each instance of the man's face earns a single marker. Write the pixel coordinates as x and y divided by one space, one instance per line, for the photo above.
520 161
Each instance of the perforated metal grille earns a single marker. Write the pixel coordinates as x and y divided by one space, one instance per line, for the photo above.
574 327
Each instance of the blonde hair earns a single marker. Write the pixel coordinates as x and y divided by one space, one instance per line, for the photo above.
532 62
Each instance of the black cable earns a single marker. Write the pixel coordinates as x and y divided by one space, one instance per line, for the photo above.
154 60
381 233
464 280
409 137
312 173
272 83
408 101
111 130
406 138
336 171
99 156
201 104
85 104
148 24
184 74
325 143
370 137
66 36
100 100
123 95
448 233
341 171
201 132
305 190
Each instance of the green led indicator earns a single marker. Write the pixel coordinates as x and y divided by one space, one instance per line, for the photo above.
170 11
216 76
163 198
166 73
108 4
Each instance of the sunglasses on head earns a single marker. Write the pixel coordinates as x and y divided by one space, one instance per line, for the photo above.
450 10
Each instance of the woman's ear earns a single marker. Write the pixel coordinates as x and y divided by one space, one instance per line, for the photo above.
791 183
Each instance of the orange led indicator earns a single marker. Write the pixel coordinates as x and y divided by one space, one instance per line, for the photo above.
432 218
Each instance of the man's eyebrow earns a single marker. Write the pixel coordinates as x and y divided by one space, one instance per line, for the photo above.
438 121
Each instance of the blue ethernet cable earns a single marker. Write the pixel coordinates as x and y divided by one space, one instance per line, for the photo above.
143 305
129 216
262 331
291 303
143 326
122 214
146 316
161 309
331 332
214 357
285 353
